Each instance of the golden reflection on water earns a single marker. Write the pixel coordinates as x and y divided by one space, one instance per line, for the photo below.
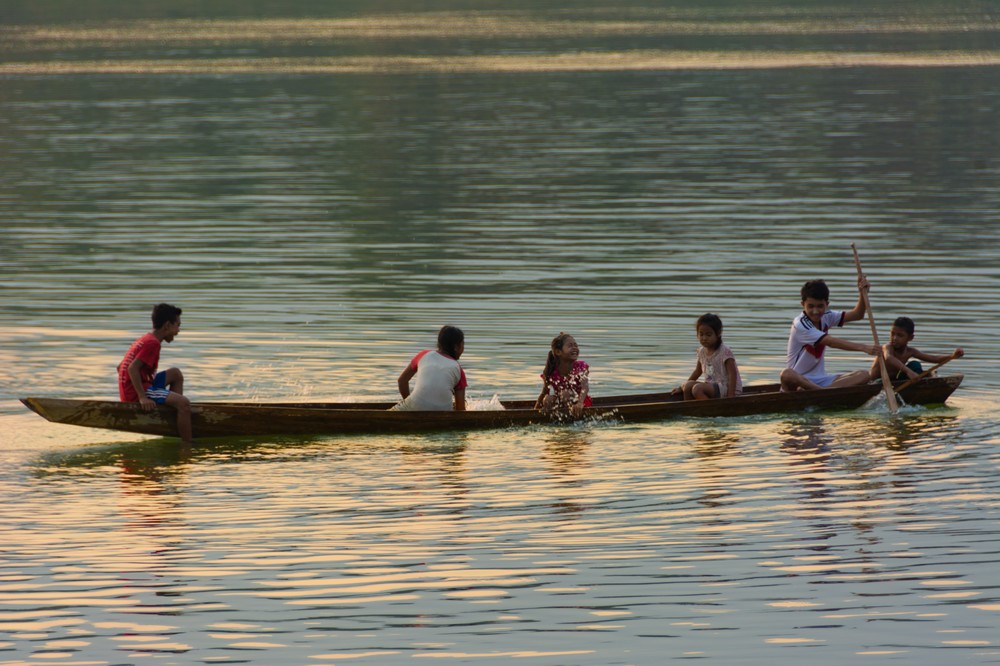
509 25
647 60
677 525
704 535
494 30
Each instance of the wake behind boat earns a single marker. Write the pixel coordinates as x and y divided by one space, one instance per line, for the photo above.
229 419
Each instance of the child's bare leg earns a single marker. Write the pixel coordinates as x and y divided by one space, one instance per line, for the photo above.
703 391
792 381
183 407
175 380
851 379
688 388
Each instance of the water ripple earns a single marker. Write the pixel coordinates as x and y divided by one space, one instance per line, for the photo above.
317 230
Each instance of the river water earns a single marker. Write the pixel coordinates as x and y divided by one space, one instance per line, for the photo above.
321 192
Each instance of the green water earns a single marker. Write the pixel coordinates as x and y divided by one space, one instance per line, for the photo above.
320 189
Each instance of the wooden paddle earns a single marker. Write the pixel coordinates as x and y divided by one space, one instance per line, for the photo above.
886 382
910 382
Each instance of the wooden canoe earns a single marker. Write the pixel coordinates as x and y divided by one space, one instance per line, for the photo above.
229 419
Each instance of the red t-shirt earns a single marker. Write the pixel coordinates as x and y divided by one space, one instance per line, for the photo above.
146 348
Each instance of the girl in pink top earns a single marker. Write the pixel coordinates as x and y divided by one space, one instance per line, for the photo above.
715 361
566 379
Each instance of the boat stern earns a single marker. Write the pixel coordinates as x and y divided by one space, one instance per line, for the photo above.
932 390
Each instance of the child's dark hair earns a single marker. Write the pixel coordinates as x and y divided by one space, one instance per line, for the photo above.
906 324
816 289
713 321
551 362
449 338
164 313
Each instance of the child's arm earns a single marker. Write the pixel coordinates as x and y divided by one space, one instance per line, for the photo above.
404 380
936 358
582 398
892 362
847 345
858 311
730 378
541 396
133 374
460 400
896 366
697 372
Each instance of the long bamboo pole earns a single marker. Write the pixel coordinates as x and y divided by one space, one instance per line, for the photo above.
886 382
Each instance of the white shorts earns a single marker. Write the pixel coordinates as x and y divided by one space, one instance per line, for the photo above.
823 380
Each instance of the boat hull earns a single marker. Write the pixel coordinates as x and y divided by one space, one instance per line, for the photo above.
228 419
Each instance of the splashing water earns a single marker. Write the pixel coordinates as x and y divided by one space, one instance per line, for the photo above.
879 404
480 405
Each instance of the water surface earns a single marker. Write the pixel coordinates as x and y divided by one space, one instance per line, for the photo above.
321 193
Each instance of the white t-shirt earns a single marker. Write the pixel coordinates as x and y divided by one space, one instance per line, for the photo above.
437 378
805 347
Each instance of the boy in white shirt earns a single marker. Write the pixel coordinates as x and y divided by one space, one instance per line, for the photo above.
808 339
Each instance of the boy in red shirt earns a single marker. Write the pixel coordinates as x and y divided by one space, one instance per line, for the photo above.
138 380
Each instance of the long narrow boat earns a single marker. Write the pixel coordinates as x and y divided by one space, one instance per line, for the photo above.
227 419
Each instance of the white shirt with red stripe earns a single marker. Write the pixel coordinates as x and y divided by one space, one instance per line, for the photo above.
805 346
438 376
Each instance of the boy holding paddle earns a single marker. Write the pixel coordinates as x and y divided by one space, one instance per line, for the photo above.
138 380
899 352
808 340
